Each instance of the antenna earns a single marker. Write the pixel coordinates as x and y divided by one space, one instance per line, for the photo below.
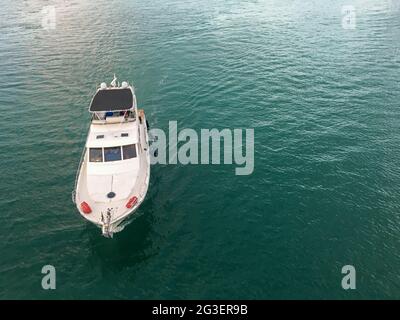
114 82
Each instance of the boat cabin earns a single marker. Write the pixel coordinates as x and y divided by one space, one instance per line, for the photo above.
113 136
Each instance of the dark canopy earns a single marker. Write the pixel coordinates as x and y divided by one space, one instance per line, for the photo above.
112 100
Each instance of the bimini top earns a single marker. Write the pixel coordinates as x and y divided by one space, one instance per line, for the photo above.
112 100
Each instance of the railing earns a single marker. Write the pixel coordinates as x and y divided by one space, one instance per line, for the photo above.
144 146
77 174
145 186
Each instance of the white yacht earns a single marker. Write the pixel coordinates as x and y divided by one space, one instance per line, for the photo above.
114 171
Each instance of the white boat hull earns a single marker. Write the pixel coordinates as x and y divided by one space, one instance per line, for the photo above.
108 193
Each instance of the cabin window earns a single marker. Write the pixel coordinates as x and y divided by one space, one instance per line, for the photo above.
129 151
112 154
96 155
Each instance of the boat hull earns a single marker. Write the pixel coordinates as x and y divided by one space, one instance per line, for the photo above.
109 194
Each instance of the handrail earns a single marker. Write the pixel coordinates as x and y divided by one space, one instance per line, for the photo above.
77 174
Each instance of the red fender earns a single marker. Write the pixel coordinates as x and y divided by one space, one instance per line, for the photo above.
85 208
132 201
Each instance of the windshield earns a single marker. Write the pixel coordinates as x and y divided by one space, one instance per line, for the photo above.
129 151
96 155
112 154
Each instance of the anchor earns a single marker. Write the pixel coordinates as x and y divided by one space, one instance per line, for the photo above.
106 224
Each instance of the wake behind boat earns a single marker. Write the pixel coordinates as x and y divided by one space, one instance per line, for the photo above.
114 172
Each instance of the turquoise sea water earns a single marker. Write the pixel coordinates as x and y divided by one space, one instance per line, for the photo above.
324 104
